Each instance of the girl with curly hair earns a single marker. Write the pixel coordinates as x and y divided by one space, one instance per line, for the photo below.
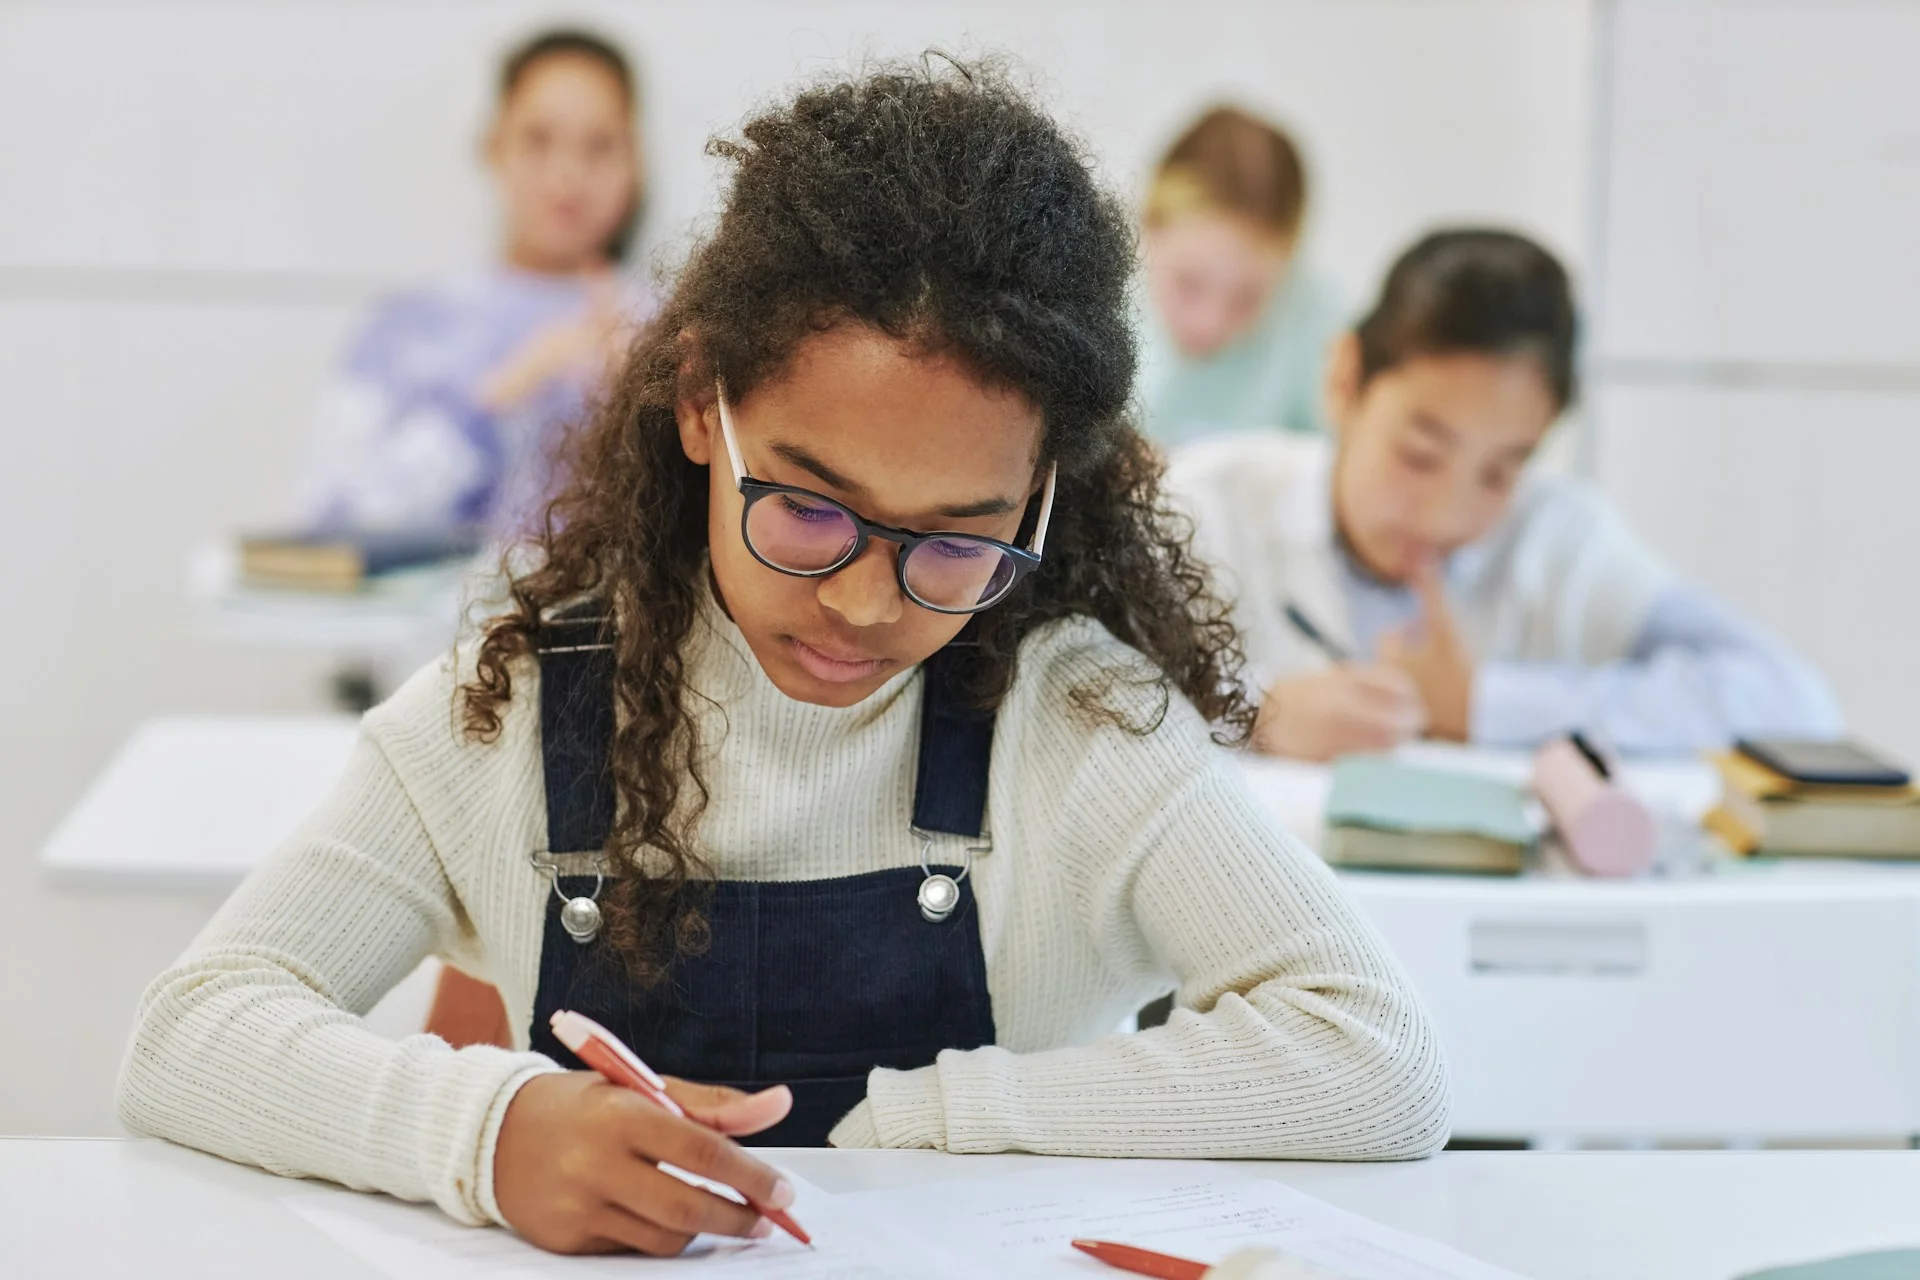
846 748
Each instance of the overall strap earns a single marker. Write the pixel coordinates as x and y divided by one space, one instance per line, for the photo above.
956 749
576 727
576 739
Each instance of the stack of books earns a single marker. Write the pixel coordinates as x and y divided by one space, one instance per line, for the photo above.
1393 816
348 562
1767 813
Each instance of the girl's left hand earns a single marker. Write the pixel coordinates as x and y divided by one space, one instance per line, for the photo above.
1437 657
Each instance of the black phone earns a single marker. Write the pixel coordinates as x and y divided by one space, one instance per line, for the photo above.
1825 764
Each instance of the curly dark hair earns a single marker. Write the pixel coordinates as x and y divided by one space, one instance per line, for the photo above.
935 203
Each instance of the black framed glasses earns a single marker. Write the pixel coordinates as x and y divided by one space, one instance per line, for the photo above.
799 532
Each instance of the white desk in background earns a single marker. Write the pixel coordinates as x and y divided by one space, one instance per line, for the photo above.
379 636
196 802
1773 1001
86 1209
1722 1000
411 613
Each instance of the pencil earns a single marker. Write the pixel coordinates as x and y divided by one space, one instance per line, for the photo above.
1320 639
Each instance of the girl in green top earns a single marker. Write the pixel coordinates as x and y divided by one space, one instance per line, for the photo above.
1236 330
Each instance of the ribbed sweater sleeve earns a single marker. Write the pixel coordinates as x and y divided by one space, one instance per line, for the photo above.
252 1046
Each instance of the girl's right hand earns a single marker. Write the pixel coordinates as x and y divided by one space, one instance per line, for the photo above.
1345 708
575 1169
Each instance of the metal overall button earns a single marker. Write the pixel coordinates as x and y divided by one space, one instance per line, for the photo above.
579 916
939 892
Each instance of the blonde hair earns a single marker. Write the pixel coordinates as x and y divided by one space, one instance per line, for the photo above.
1231 161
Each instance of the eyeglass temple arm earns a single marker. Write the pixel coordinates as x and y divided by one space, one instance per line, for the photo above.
726 434
1046 510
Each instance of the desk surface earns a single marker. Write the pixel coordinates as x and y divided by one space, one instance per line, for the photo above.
199 801
412 614
1572 1007
95 1208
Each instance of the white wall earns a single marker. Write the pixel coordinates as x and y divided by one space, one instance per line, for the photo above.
337 142
1757 401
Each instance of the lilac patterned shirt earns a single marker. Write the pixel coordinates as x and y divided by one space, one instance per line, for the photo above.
401 440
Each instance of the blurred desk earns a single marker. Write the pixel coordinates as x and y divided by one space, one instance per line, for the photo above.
403 611
1714 999
380 634
1678 789
199 801
196 802
143 1208
1768 1000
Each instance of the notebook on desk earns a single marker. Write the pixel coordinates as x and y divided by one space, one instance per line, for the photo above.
1389 815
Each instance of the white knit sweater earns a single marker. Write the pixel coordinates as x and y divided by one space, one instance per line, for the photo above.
1121 865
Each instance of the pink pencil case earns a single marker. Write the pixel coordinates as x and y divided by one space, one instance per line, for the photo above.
1607 831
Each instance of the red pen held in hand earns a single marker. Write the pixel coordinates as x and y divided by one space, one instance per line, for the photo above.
602 1050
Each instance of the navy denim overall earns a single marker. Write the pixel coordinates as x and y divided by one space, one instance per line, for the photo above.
809 983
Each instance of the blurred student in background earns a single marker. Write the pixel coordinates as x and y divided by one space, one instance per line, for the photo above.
450 398
1237 329
1415 575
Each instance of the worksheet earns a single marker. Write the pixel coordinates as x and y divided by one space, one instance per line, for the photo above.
418 1242
1007 1228
1021 1226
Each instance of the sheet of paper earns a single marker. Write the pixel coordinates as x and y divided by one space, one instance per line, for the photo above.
1009 1228
1018 1227
418 1242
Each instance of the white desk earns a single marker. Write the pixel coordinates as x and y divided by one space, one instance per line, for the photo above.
88 1209
1681 789
407 617
1766 1001
1727 1000
199 801
196 802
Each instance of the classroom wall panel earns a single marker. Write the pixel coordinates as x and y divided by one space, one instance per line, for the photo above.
327 141
133 433
1797 506
1756 388
1762 183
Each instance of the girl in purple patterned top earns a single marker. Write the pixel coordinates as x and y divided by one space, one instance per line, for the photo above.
451 396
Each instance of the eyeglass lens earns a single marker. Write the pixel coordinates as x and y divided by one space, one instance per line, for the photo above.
802 536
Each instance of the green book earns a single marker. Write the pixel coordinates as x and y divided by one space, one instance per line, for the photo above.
1386 814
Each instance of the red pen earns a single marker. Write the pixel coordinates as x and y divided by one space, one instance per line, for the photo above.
602 1050
1143 1262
